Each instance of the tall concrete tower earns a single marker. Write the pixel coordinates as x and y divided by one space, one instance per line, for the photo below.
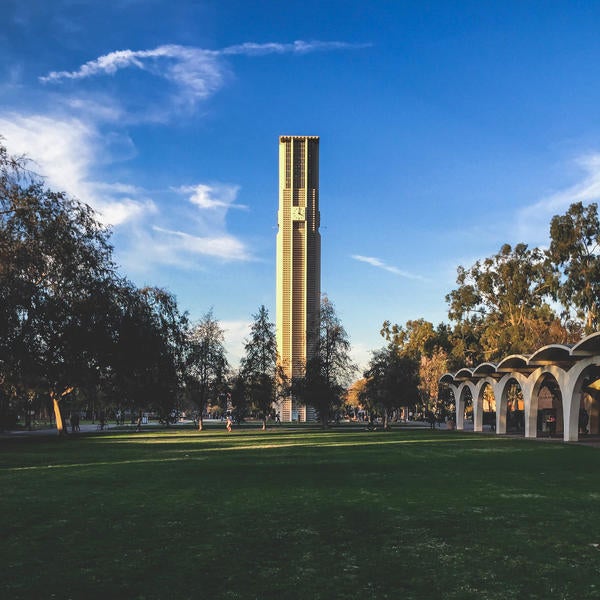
298 260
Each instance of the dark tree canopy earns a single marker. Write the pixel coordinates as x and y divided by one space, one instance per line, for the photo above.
327 373
206 363
261 377
68 321
55 265
391 381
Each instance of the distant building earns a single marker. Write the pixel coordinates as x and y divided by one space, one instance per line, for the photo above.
298 261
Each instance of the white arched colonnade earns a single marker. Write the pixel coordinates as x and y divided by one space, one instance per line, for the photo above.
572 372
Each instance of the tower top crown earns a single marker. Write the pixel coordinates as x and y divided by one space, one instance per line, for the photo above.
287 138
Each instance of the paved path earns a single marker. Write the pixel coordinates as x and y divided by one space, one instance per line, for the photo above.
84 428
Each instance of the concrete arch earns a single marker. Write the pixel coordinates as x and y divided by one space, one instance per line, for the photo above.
501 394
538 379
572 393
568 366
478 401
459 397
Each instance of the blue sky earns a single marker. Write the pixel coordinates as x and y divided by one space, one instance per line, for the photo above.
447 129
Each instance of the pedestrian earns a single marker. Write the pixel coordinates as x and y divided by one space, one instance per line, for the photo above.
431 419
229 423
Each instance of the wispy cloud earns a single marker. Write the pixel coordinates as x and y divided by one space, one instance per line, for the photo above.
297 47
195 73
376 262
212 196
225 247
189 63
81 134
149 246
67 153
64 151
533 222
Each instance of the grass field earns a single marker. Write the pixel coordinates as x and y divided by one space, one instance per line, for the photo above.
298 513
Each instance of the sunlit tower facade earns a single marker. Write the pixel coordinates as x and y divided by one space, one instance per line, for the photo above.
298 261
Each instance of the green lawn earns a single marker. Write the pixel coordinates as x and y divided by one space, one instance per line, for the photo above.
298 513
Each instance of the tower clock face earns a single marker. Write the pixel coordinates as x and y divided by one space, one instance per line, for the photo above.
298 213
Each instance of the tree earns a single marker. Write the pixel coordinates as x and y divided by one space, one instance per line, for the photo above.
55 261
417 337
239 397
431 368
166 331
262 378
354 396
206 364
391 381
506 299
327 373
575 251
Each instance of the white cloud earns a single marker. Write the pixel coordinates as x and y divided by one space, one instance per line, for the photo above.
361 355
224 246
297 47
83 133
212 196
190 66
236 333
64 151
98 107
533 222
195 73
376 262
149 247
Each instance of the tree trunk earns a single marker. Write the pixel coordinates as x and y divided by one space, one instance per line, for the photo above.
385 420
57 414
200 422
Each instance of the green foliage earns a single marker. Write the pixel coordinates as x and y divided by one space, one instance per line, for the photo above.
69 324
506 303
328 371
262 380
575 252
143 370
417 337
504 300
391 382
56 274
206 364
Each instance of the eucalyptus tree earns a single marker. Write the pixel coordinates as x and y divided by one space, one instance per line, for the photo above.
328 372
506 299
206 364
575 251
262 379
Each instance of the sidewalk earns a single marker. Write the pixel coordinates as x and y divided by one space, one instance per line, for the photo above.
50 431
87 428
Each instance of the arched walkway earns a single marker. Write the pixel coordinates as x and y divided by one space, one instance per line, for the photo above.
554 391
